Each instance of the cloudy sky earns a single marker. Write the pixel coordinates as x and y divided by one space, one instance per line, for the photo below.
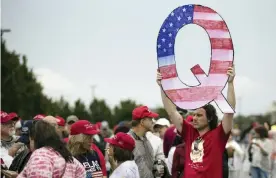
72 45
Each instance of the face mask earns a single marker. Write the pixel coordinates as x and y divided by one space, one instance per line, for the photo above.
12 132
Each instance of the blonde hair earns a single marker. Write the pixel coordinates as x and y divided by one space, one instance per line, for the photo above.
76 144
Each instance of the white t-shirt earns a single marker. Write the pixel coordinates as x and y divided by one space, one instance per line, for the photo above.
157 145
127 169
4 150
236 162
169 160
4 154
258 159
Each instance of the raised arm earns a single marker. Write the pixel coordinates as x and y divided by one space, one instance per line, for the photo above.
227 121
170 108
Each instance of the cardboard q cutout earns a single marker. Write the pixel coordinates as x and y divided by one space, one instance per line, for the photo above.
222 56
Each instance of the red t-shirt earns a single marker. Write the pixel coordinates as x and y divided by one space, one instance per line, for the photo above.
98 151
203 155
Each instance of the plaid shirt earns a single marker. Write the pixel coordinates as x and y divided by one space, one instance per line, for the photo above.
46 162
143 155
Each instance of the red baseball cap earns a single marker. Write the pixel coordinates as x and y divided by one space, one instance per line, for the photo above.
39 117
142 112
5 117
83 127
98 124
60 121
189 118
122 140
66 140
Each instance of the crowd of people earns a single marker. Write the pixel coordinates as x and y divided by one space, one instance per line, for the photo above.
187 144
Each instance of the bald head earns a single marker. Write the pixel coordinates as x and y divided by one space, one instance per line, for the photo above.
50 119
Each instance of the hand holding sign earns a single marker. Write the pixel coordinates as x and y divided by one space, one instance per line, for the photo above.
231 72
211 85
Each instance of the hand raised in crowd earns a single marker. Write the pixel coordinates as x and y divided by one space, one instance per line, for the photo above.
158 78
231 72
109 152
111 159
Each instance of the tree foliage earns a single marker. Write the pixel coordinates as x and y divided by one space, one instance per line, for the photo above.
123 111
20 91
162 112
99 111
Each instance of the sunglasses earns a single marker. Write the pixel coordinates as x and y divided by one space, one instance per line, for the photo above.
197 141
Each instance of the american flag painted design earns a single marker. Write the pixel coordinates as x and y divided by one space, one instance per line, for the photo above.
222 56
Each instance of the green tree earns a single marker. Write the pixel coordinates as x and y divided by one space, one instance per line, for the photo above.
20 91
100 111
263 118
123 111
64 109
242 122
162 112
80 110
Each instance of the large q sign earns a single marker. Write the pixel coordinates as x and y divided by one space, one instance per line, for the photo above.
222 56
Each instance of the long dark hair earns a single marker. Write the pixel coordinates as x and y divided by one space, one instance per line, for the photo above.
211 115
246 131
45 135
123 129
121 155
261 130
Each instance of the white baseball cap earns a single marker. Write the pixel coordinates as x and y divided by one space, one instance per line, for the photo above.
163 122
18 124
105 125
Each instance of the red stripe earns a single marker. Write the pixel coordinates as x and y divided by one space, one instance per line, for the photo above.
168 71
97 174
197 70
211 24
199 8
219 67
216 67
194 94
221 43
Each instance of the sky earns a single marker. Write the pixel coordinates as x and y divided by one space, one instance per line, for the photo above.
73 45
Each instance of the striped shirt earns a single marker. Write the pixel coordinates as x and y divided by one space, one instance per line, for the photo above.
46 162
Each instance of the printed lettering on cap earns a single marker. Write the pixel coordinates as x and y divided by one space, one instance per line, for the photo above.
88 126
4 114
